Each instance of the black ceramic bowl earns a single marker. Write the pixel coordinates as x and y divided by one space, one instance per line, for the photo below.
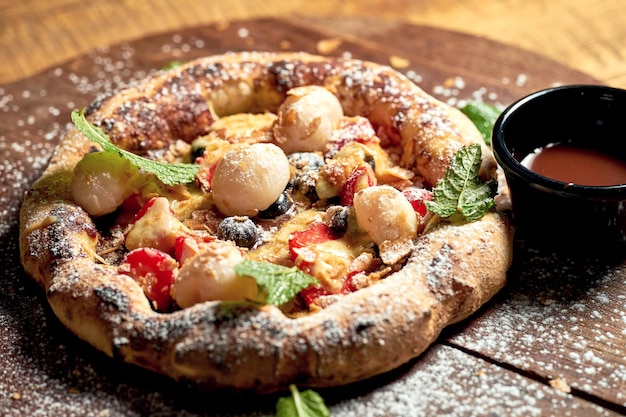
555 214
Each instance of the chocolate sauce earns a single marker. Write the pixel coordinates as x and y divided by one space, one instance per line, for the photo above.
576 165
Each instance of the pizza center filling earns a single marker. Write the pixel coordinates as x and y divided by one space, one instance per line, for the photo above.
306 188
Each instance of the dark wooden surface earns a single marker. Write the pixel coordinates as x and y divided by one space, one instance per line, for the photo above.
553 342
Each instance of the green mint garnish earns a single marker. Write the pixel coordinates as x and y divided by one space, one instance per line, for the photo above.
169 174
172 64
461 192
483 115
301 404
280 283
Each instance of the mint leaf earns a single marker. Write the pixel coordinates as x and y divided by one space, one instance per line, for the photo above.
280 283
169 174
483 115
301 404
461 192
172 64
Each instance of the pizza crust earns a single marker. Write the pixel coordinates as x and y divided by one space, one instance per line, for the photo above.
453 270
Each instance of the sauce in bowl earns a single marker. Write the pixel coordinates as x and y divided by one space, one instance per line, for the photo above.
576 165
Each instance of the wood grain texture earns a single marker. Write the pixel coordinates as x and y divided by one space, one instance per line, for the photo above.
588 35
550 344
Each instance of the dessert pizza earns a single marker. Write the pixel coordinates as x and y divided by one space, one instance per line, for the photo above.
254 220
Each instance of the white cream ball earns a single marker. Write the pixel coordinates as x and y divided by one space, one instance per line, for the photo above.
385 214
210 275
306 119
249 179
101 181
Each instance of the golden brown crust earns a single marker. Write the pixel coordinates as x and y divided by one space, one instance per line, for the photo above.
451 273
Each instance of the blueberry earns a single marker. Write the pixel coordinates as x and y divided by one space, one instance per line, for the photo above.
337 218
371 162
198 147
197 152
304 161
306 166
277 208
239 229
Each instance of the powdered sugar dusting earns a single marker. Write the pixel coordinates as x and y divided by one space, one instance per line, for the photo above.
561 319
448 382
46 371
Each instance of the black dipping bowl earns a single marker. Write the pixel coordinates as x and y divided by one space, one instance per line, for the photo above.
552 214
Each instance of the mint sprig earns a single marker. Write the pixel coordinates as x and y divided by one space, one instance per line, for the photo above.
172 64
280 283
483 115
169 174
301 404
461 192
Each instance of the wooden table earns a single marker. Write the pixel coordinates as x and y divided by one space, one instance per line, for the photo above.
588 35
553 342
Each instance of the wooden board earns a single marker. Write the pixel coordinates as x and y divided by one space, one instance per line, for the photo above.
559 320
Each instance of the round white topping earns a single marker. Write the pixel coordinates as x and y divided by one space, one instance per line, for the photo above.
101 181
306 119
385 214
249 179
210 275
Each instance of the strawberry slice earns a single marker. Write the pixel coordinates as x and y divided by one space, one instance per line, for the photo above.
360 178
356 129
304 257
311 294
316 233
301 241
144 209
205 175
155 272
348 284
417 197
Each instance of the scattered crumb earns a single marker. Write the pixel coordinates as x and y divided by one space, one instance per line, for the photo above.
399 62
222 26
561 385
327 46
284 45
